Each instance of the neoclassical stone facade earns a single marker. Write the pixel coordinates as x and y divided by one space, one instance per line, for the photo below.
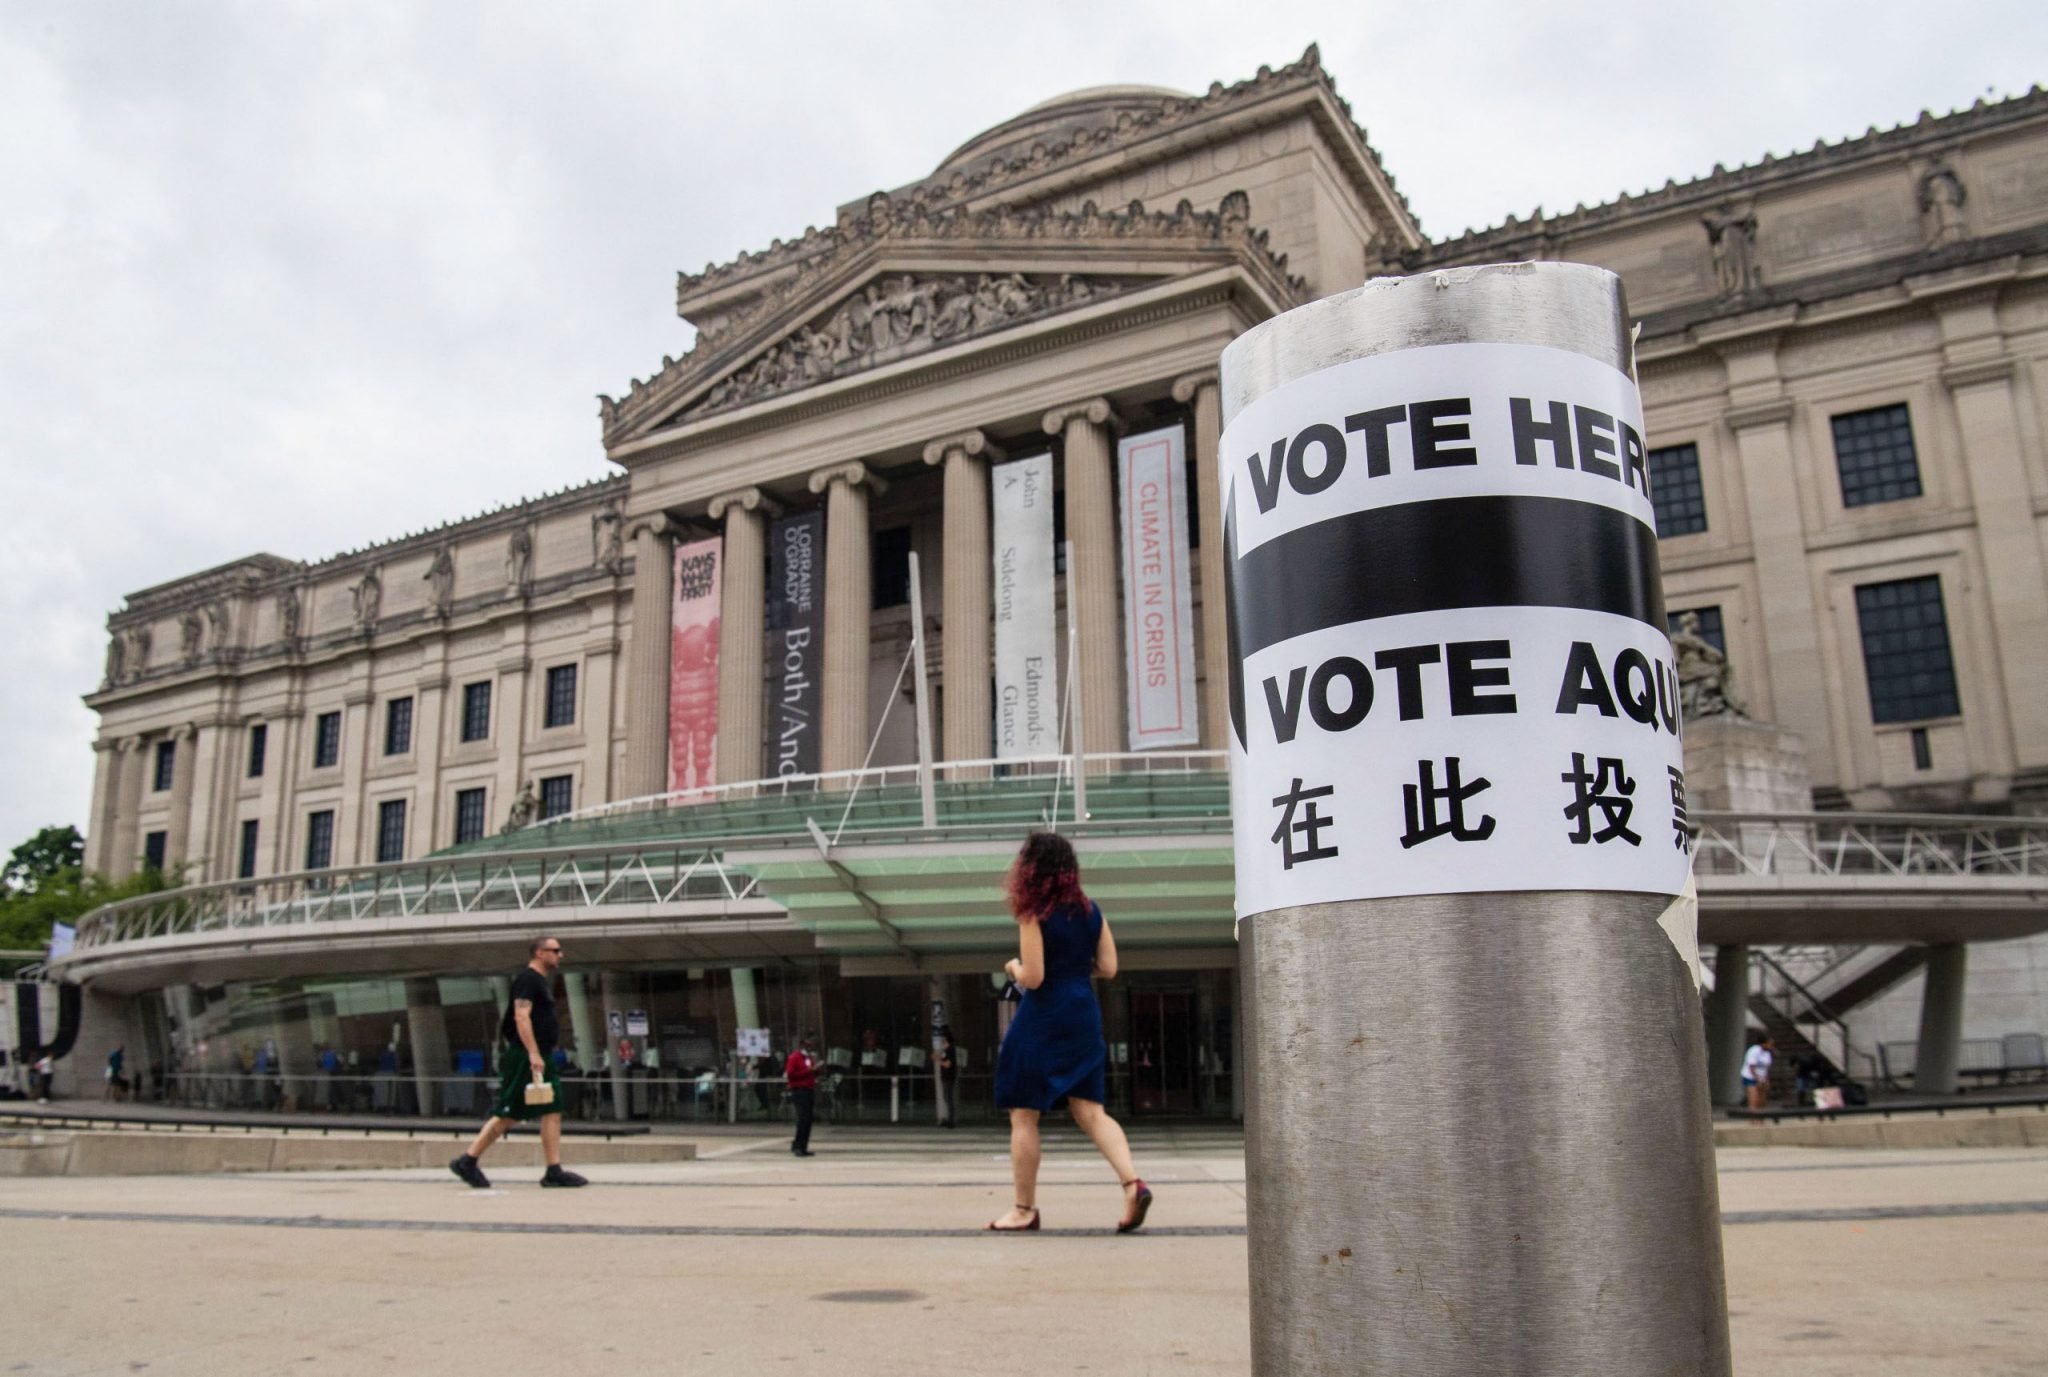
1841 357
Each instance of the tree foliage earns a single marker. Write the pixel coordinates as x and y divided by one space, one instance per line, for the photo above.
46 856
45 883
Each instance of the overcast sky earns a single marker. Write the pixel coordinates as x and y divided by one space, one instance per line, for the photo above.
298 277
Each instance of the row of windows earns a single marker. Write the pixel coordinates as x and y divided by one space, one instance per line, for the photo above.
557 796
558 710
1874 457
1906 659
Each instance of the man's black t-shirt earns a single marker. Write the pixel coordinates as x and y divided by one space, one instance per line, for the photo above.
531 984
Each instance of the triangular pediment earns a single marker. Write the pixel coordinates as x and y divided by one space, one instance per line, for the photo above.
911 282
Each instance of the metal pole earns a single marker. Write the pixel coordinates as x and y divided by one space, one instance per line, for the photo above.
1074 712
926 795
1478 1137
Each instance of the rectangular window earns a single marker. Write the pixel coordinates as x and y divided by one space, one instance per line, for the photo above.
259 741
469 815
1905 650
561 708
326 740
391 830
890 565
1675 491
476 711
320 839
1874 451
398 726
556 795
166 765
1710 625
153 850
1923 752
247 869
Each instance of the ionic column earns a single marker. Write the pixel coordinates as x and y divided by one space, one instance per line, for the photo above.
849 602
741 631
106 801
122 858
645 769
1201 389
1084 429
964 606
184 765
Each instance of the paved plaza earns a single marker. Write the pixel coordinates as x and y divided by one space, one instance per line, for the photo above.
868 1259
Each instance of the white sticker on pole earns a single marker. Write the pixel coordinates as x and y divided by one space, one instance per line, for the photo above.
1451 668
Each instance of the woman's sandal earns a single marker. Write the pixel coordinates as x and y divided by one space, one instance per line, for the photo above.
1143 1202
997 1225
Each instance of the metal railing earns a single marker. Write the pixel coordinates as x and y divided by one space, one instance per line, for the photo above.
1842 845
1809 1013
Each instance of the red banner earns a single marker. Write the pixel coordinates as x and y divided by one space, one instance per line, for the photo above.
693 668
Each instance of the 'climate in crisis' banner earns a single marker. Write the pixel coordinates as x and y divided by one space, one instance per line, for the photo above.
1159 620
693 667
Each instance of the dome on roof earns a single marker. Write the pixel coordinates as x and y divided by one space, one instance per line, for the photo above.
1057 120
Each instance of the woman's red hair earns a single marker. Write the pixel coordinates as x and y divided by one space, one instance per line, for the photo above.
1045 877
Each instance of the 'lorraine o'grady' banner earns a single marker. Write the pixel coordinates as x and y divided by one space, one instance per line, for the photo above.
796 605
1159 620
693 668
1452 672
1027 698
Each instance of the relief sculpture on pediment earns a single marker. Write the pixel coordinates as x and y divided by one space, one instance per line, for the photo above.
895 316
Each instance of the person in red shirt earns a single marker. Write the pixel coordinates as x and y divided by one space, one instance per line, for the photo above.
801 1072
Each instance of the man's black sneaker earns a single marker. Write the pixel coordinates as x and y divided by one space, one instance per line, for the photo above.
557 1177
465 1167
803 1152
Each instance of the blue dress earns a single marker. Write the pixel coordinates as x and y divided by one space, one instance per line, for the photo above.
1054 1047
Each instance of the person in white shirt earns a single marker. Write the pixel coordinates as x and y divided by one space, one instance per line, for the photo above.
1756 1073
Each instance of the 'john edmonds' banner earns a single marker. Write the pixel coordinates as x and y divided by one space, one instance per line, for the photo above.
796 563
1159 624
1027 698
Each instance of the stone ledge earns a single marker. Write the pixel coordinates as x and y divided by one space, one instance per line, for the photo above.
156 1153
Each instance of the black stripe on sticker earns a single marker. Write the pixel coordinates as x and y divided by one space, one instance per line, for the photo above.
1482 551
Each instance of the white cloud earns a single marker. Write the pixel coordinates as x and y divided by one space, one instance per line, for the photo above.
298 277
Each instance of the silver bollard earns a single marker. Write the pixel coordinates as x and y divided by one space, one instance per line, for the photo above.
1478 1137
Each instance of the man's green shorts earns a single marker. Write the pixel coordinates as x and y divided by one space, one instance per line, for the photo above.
514 1073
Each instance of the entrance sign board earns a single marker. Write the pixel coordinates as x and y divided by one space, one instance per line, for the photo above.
1159 614
1026 663
1452 673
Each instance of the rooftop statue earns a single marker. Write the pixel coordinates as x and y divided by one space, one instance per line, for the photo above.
1706 684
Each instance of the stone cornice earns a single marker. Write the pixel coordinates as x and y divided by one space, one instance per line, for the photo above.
1774 412
1095 410
1188 384
1059 249
972 443
854 475
1962 375
1525 238
749 499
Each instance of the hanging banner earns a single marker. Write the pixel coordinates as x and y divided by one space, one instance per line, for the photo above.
1159 619
796 605
693 668
1027 694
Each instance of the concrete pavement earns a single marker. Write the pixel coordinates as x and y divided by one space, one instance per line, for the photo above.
869 1259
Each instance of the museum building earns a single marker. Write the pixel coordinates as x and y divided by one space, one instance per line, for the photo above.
1003 377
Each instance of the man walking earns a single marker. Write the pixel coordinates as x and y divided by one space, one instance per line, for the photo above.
801 1072
529 1033
1756 1073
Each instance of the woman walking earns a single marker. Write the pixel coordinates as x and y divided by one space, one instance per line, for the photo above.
1054 1049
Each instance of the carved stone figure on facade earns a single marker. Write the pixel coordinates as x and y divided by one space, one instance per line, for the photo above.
288 614
368 594
440 578
1731 233
525 808
217 627
608 538
519 561
139 642
191 632
1941 207
117 656
1706 684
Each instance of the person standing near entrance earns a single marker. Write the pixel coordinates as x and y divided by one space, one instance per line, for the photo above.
1756 1072
529 1033
1054 1050
801 1074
